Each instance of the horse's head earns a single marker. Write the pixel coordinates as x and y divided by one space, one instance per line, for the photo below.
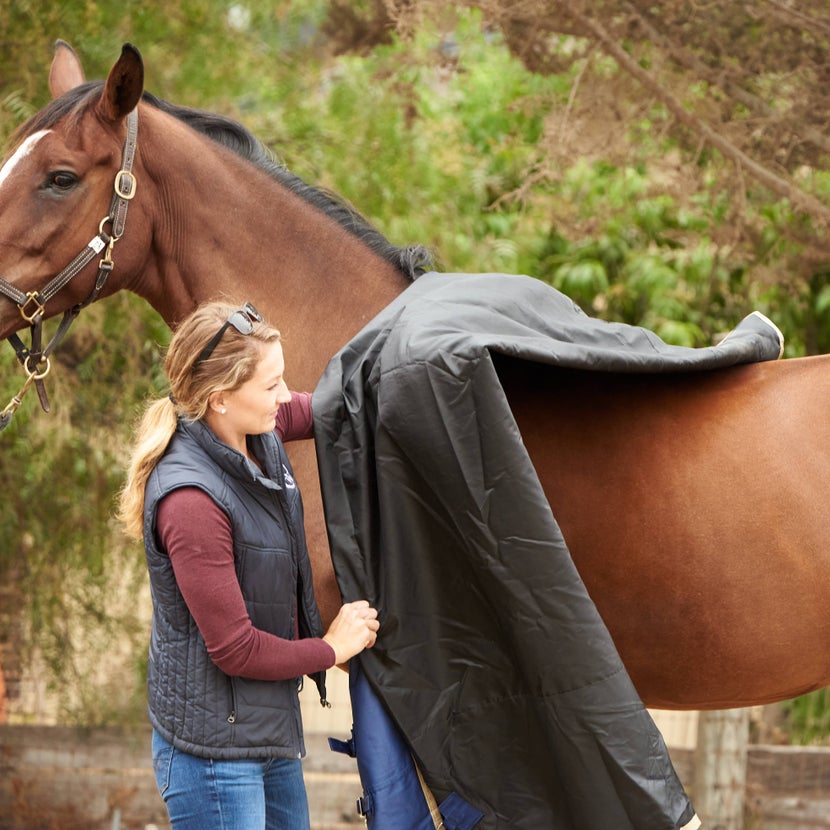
57 184
213 213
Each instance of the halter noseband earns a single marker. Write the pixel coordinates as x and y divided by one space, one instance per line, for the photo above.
32 304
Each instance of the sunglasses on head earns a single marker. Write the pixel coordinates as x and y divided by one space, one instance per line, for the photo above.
242 320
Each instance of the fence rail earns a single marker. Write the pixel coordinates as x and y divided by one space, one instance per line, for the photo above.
82 779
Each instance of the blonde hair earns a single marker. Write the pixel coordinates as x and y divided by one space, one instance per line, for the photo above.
230 365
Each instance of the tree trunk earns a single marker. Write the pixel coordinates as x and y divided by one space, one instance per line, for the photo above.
720 768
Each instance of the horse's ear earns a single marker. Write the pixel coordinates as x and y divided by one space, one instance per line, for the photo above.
66 72
124 85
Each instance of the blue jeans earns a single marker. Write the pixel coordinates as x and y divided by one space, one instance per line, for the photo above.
210 794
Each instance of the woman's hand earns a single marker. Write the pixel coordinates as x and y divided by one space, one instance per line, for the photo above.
354 628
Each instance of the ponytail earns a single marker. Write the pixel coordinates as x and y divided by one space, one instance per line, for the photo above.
154 433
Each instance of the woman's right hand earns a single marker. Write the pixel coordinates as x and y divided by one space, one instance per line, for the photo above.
354 628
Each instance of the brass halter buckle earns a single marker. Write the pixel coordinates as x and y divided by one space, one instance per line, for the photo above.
39 308
125 184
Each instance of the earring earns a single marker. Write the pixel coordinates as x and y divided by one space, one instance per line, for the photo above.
223 410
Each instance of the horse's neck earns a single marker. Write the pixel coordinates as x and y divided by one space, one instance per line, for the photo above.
250 238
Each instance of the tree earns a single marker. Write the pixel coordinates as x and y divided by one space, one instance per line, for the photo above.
738 88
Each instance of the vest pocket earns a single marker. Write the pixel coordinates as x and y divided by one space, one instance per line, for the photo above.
267 713
266 576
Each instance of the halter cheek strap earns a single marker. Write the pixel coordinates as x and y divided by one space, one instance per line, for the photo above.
32 304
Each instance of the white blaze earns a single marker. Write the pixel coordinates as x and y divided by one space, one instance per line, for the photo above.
19 154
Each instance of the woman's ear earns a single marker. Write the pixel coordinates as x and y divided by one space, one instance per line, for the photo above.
217 403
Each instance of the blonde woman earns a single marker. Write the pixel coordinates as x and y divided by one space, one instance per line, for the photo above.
235 624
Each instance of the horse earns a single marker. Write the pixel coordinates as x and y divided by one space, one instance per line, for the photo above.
692 504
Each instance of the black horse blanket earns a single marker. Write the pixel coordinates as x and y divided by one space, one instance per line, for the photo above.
492 659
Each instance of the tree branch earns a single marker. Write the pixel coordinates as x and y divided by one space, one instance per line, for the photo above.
686 60
802 200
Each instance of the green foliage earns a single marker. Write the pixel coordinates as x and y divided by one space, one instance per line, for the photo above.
648 261
59 477
808 718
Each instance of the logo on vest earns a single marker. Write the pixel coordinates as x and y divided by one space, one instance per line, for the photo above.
289 479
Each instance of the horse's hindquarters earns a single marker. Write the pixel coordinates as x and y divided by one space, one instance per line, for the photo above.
692 506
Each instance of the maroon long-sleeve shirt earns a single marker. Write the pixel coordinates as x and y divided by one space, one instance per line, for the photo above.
197 536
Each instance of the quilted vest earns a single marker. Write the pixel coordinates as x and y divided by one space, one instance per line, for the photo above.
192 703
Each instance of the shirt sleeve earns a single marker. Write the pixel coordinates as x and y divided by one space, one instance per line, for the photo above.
294 419
196 533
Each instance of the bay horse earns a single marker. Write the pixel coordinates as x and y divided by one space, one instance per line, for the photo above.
694 505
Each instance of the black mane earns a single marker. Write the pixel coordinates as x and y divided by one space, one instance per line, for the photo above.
411 261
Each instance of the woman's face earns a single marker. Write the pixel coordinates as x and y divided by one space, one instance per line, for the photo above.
251 409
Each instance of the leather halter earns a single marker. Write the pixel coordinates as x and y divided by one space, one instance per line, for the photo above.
32 304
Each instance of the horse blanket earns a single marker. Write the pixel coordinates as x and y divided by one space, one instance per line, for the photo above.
492 660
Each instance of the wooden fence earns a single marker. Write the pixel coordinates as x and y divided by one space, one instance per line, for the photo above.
59 778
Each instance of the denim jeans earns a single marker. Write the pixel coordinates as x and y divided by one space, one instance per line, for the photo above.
210 794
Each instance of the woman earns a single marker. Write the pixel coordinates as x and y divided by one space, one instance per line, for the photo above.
235 624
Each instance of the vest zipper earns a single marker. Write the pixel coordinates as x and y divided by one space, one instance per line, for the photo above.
232 715
302 617
285 511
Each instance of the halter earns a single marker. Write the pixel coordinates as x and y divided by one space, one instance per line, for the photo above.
32 304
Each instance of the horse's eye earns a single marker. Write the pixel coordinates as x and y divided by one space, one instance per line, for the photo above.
61 180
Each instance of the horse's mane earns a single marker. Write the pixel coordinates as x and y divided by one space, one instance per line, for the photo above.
411 260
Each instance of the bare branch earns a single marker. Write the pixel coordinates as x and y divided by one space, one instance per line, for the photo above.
802 200
796 18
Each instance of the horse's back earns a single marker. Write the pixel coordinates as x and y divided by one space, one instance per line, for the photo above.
694 507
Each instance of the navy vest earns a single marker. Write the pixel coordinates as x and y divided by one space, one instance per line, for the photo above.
192 703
